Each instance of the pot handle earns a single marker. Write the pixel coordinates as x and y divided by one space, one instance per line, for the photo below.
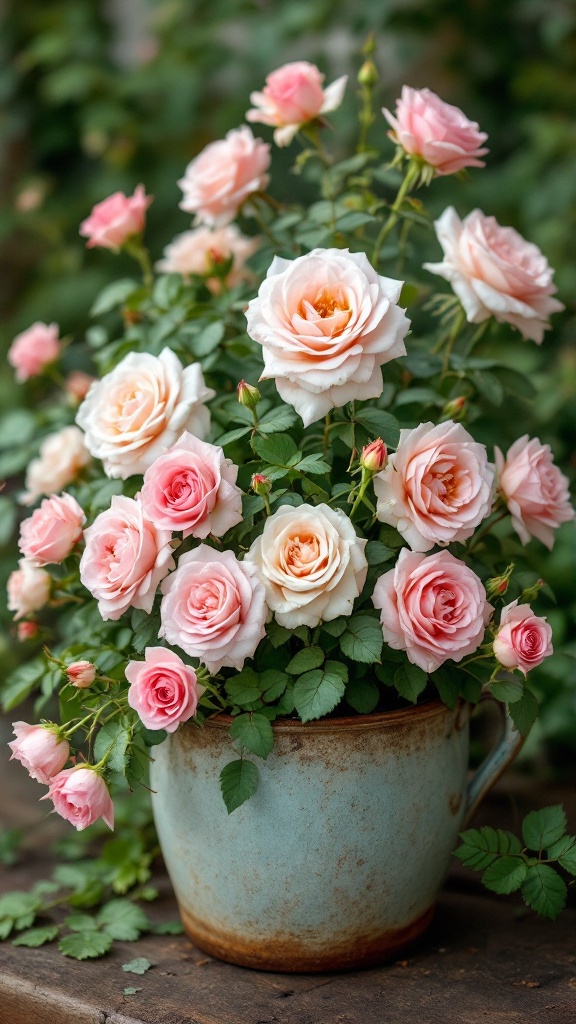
507 748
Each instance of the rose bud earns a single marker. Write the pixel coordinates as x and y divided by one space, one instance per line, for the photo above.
26 631
523 639
78 385
368 75
454 409
374 456
81 796
248 395
81 674
261 484
498 585
40 750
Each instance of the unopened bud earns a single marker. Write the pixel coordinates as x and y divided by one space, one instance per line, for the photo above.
454 409
27 631
374 456
261 484
248 395
498 585
78 385
81 674
368 74
530 593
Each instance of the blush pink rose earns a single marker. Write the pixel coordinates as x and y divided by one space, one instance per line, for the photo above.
192 488
62 458
534 489
495 272
78 385
163 690
201 252
50 533
81 674
437 488
523 639
311 562
34 349
81 796
125 558
223 175
292 96
139 409
326 322
40 750
28 589
439 133
213 608
116 219
433 607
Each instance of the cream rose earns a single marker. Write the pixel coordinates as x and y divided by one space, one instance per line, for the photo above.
201 251
311 562
62 457
139 409
327 322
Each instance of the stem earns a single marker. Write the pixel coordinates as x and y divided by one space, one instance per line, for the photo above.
457 326
409 180
366 478
136 248
474 543
326 440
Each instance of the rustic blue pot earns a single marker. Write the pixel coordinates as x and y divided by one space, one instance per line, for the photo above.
338 859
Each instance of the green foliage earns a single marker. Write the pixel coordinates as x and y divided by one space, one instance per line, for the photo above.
137 966
362 639
254 732
318 692
238 782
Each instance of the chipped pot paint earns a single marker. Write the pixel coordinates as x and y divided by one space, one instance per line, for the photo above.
338 859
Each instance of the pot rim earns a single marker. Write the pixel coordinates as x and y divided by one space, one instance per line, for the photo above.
430 709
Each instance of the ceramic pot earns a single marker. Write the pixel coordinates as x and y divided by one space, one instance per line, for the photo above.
338 859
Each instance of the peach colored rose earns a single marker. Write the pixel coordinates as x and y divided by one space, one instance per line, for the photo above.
78 385
192 488
163 690
439 133
51 532
523 639
139 409
213 608
202 250
437 488
40 750
62 457
534 489
433 607
116 219
311 563
28 589
125 558
495 272
34 349
81 674
223 175
81 796
292 96
326 322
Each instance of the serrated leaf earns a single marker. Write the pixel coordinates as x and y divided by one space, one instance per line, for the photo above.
480 847
138 966
313 464
544 891
274 683
305 661
84 945
410 680
37 936
146 634
238 782
362 695
381 424
336 626
363 639
564 851
540 829
244 688
18 904
507 687
524 712
254 732
277 419
317 693
123 920
112 740
505 875
277 450
377 553
232 435
81 923
339 668
277 634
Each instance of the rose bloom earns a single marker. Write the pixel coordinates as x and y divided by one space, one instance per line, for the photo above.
28 589
50 533
116 219
139 409
62 457
192 488
163 690
436 131
125 558
81 674
326 322
311 563
523 639
535 490
38 748
213 608
34 349
433 607
437 488
495 272
293 95
201 250
81 796
223 175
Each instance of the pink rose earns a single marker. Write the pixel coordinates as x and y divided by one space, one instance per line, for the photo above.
311 562
437 488
534 489
40 750
433 607
139 409
439 133
28 589
51 532
523 639
125 558
495 272
192 488
163 690
81 674
202 251
374 456
34 349
62 457
326 322
81 796
213 608
293 95
223 175
27 631
116 219
78 385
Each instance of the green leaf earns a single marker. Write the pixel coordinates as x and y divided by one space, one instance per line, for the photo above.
244 688
339 668
19 905
524 712
7 519
37 936
274 683
146 628
167 928
336 626
113 737
81 923
18 425
489 386
410 680
377 553
238 782
363 639
21 682
448 686
83 945
232 435
277 419
138 966
481 847
276 450
380 424
544 891
208 339
540 829
313 464
152 737
564 851
113 295
131 990
317 693
254 732
122 919
277 634
362 695
507 687
505 874
305 660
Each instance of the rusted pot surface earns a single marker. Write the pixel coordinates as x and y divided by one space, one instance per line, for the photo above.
337 860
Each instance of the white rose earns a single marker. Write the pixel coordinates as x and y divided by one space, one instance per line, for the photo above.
28 589
62 456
